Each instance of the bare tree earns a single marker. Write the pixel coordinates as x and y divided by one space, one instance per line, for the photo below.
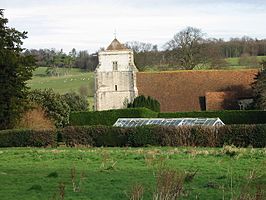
187 44
141 46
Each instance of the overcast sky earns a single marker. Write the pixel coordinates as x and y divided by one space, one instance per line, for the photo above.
89 25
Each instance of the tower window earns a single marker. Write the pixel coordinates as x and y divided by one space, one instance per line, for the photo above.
115 87
115 65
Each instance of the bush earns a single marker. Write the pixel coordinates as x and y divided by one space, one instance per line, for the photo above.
238 135
54 104
248 60
26 137
145 135
227 116
108 117
35 119
76 102
146 102
243 135
95 136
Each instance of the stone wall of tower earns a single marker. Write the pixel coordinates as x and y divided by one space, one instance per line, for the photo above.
114 89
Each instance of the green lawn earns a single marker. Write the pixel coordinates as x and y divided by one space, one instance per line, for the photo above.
69 81
110 173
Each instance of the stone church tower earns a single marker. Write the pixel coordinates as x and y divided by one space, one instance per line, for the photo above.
115 77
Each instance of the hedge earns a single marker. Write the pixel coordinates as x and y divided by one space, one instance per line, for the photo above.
227 116
238 135
108 117
26 137
95 136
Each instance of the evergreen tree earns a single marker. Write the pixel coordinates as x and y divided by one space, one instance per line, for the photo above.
147 102
15 70
259 88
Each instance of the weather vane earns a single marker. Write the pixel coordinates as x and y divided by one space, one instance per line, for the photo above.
115 33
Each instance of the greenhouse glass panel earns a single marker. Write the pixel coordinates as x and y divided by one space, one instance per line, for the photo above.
133 122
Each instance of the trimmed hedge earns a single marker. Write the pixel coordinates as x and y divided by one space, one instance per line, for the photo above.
227 116
238 135
95 136
26 137
108 117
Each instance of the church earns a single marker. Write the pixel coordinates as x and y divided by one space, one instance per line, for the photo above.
117 82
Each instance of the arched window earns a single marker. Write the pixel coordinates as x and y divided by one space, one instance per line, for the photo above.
115 65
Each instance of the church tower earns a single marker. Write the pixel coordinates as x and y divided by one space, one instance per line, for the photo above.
115 77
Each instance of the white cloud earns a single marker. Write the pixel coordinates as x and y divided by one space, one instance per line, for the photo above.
90 24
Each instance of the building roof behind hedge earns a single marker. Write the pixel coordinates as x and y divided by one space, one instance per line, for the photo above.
186 90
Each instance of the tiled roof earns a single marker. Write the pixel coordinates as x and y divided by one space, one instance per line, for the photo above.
116 45
186 90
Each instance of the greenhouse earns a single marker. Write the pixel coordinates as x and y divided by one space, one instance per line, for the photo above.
133 122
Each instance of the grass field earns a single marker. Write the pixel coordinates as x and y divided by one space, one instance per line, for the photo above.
110 173
67 82
234 62
72 81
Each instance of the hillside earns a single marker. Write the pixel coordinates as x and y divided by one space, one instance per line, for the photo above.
68 81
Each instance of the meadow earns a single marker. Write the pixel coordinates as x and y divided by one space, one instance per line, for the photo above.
69 81
233 63
117 173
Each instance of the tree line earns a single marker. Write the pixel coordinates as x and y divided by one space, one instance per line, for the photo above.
53 59
188 49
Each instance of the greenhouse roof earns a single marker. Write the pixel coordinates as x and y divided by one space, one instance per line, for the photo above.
133 122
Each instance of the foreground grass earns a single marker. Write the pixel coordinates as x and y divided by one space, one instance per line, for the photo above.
110 173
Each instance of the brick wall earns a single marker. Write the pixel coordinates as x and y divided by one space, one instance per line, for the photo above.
186 90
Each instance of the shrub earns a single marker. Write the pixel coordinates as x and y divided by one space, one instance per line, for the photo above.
95 136
259 89
145 135
170 184
238 135
243 135
227 116
146 102
26 137
84 91
108 117
76 102
35 119
248 60
54 104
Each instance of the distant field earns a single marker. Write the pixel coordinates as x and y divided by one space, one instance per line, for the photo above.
234 62
68 81
72 81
